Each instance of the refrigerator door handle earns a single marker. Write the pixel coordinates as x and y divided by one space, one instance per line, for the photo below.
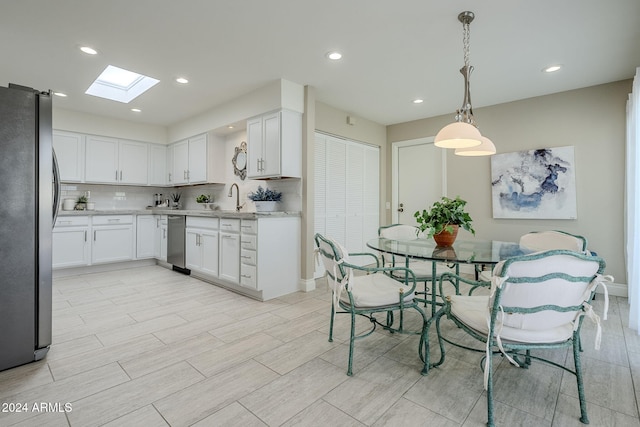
56 188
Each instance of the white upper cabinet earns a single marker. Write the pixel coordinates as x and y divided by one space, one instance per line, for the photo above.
133 162
197 160
113 161
101 159
157 164
197 172
69 148
274 145
180 159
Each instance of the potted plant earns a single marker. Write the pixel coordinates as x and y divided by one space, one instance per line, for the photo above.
81 204
444 219
265 199
206 200
175 197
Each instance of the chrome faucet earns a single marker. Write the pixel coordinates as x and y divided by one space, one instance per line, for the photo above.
238 206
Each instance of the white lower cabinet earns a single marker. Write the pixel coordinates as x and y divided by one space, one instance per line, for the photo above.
161 239
230 249
270 255
71 246
112 238
201 245
151 237
146 235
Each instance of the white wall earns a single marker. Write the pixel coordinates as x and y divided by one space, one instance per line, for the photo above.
280 94
75 121
591 119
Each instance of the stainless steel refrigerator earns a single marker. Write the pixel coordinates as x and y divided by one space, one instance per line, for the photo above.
27 208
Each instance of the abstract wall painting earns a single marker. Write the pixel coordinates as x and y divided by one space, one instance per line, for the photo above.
535 184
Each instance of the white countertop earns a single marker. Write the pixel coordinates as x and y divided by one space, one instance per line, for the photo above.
186 212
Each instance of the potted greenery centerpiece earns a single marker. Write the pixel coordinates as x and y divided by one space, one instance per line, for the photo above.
205 200
444 219
265 199
81 204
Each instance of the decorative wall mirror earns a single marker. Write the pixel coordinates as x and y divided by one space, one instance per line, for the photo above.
240 161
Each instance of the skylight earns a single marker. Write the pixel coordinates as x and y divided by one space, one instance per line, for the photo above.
118 84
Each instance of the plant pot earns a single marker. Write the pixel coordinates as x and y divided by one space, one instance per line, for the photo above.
265 206
444 238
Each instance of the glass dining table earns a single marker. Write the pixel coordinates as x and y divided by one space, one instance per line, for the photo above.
476 251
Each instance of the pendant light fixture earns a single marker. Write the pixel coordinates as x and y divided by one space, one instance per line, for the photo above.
463 134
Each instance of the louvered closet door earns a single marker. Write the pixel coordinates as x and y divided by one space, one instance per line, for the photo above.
336 194
347 192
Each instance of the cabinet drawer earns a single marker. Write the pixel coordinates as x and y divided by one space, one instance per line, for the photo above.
199 222
248 257
248 276
112 219
248 242
70 221
229 224
249 226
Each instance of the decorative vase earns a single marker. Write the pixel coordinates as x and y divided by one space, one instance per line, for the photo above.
444 238
265 206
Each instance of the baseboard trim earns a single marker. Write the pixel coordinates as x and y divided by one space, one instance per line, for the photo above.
307 285
616 289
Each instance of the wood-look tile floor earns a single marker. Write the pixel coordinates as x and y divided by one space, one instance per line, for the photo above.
151 347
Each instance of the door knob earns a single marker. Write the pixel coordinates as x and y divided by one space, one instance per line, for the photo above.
401 208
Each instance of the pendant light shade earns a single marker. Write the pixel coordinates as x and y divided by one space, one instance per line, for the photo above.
486 148
458 135
463 134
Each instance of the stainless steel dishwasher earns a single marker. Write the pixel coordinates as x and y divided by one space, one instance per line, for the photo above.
176 242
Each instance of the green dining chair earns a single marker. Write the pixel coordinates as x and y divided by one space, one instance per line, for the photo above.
537 302
544 241
423 270
366 292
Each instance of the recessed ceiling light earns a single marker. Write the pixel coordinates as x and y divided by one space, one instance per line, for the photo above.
418 101
230 127
334 56
60 94
136 110
182 80
120 85
88 50
552 68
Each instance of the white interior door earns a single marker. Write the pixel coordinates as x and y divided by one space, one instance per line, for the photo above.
419 177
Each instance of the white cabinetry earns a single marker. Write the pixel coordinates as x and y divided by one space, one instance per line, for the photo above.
112 238
201 245
69 148
157 164
197 160
71 246
248 255
270 254
161 239
146 235
274 145
111 161
230 249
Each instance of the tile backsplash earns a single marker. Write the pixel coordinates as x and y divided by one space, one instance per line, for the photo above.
114 197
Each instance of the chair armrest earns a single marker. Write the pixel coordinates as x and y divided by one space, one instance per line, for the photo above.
367 254
409 276
455 279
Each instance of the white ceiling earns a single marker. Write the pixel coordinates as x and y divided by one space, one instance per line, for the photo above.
394 51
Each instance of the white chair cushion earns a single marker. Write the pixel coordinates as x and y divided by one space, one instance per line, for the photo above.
421 269
473 311
548 240
376 290
485 275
